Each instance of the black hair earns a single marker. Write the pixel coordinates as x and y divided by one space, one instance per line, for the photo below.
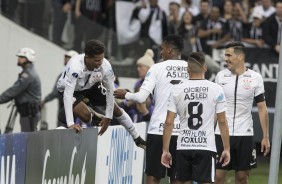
94 47
175 41
197 60
238 47
174 3
205 1
197 57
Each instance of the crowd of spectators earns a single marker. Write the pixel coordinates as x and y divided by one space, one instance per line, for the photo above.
205 24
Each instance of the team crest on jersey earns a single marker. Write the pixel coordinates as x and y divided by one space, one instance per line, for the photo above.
247 84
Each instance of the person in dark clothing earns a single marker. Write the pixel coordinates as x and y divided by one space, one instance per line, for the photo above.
61 8
272 28
154 27
26 91
54 94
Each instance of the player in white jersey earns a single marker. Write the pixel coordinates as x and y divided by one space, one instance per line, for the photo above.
159 81
197 102
241 86
90 76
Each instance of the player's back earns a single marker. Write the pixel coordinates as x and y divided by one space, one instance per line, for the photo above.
196 103
160 80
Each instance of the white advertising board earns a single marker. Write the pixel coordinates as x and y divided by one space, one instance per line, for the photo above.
119 160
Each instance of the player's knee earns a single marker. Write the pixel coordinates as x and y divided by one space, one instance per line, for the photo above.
84 115
242 179
219 179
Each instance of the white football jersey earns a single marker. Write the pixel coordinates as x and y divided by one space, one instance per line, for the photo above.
76 77
159 81
240 92
197 102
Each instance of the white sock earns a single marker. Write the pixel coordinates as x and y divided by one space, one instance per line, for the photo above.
127 123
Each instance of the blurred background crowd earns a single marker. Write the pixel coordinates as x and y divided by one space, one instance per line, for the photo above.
129 27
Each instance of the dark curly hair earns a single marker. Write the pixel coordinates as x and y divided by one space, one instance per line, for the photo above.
94 47
175 41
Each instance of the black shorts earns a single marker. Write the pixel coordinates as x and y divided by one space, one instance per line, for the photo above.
195 165
242 153
154 152
94 95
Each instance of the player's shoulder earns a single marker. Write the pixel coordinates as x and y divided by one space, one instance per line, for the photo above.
171 62
76 61
106 63
177 89
252 73
214 85
106 67
224 73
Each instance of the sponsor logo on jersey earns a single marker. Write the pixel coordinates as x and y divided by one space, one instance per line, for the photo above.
176 128
190 138
177 68
97 69
196 93
176 72
247 75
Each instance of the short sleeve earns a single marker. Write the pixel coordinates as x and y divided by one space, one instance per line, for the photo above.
150 79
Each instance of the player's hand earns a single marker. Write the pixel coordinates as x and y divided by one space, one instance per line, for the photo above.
225 158
120 93
77 127
265 146
104 123
166 159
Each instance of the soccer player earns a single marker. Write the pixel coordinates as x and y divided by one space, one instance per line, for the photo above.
197 101
159 81
89 77
241 86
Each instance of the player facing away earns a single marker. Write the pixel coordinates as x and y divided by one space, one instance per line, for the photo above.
159 81
197 102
